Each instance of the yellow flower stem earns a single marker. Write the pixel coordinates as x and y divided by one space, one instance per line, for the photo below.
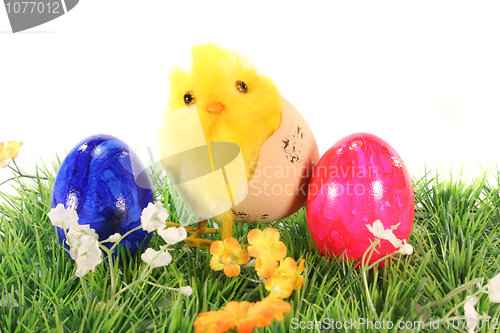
28 176
15 164
20 174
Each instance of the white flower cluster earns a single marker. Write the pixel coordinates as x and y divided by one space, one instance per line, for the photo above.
82 240
153 218
378 231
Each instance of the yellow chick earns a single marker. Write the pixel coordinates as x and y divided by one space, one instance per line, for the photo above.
234 104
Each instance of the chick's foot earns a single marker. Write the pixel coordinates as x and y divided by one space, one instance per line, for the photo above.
196 232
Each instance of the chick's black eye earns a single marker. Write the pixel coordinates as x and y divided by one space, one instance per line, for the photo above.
241 86
188 98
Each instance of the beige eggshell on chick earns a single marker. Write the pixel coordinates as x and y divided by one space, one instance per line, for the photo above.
278 187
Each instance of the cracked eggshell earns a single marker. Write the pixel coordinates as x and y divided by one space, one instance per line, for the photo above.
278 187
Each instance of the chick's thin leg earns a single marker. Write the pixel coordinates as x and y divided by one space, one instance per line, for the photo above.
200 229
226 230
227 225
189 230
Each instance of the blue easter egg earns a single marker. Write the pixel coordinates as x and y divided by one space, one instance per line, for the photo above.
99 179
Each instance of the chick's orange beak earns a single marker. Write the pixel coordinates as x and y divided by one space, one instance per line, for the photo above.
215 107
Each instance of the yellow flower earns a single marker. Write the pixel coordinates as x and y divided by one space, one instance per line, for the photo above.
228 255
280 285
213 321
269 308
9 151
3 153
267 248
244 316
299 279
286 278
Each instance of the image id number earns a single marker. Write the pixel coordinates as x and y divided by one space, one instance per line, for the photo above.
25 7
462 323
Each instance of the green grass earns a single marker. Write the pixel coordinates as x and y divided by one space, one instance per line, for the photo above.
456 241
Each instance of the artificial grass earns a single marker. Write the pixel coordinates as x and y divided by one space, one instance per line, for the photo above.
456 240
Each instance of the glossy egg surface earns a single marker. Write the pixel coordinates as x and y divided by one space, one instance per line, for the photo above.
98 180
359 180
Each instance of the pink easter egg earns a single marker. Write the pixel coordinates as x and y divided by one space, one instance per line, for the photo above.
359 180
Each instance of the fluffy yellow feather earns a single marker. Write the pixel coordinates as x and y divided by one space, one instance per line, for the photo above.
233 101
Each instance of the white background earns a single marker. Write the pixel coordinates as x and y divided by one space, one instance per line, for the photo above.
424 76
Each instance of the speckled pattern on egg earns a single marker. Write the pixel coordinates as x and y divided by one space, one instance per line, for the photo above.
278 187
293 145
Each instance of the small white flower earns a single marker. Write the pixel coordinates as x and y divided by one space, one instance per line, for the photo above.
494 289
186 291
405 248
470 312
88 255
4 164
114 238
172 235
83 229
156 258
81 239
75 234
378 231
62 217
153 216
